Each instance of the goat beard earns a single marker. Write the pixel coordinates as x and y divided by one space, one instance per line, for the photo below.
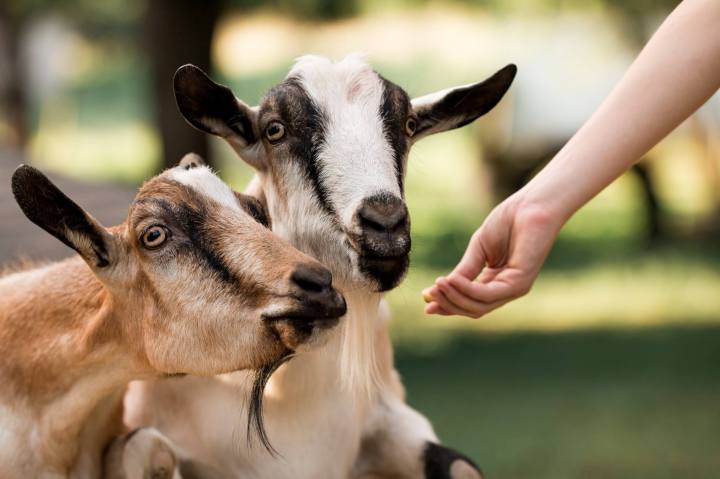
256 422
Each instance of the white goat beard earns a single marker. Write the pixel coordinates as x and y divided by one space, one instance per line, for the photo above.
359 371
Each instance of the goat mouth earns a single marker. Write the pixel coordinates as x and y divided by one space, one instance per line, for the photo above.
311 311
295 327
303 323
387 271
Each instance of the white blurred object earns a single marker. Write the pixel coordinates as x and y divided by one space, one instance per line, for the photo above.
46 49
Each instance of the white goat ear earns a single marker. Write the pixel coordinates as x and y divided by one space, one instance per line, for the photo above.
49 208
214 109
456 107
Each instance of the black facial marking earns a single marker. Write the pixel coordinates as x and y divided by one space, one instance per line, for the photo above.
199 99
255 404
49 208
193 222
438 460
394 111
305 131
190 221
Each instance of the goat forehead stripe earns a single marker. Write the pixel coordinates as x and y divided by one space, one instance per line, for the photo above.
307 122
394 112
204 181
357 157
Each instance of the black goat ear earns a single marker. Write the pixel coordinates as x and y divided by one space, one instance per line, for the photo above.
213 108
456 107
255 208
45 205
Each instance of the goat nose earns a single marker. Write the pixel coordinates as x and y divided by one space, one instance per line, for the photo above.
383 214
313 284
311 278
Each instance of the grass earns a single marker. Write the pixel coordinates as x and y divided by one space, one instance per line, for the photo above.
587 404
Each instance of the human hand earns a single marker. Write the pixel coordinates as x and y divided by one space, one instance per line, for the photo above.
501 262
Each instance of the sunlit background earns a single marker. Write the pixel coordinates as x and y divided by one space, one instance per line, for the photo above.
609 368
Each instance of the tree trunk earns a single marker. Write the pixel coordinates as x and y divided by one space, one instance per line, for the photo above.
14 97
178 32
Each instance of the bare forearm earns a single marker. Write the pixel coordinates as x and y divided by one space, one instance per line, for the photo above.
677 71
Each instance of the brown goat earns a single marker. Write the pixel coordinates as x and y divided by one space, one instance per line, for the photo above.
190 283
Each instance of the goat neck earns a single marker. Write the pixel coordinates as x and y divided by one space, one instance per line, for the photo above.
65 374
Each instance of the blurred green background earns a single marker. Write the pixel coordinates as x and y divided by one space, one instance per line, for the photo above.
609 368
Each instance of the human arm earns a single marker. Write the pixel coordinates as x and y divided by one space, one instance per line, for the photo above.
677 71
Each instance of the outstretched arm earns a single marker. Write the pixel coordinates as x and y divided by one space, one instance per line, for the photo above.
676 72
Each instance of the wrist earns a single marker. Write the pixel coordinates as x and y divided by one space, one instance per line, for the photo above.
543 206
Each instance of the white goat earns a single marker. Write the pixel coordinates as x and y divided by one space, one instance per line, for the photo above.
330 146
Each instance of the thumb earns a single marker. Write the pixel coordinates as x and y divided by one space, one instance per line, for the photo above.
473 261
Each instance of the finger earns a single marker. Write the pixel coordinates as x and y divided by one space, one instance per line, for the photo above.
434 308
461 301
452 308
476 313
429 294
487 292
473 261
492 307
488 274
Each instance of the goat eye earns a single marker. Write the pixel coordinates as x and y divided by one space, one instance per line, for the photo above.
410 126
154 236
275 131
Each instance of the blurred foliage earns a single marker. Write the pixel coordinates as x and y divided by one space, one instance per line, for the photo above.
302 9
126 13
106 19
641 7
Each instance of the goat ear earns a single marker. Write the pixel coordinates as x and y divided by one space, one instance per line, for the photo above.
49 208
456 107
255 208
191 160
213 108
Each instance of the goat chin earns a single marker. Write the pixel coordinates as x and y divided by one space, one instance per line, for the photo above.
319 339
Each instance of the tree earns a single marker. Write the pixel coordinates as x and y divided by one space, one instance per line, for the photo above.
178 32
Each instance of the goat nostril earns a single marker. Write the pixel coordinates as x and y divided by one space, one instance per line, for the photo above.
383 220
308 286
311 279
367 223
